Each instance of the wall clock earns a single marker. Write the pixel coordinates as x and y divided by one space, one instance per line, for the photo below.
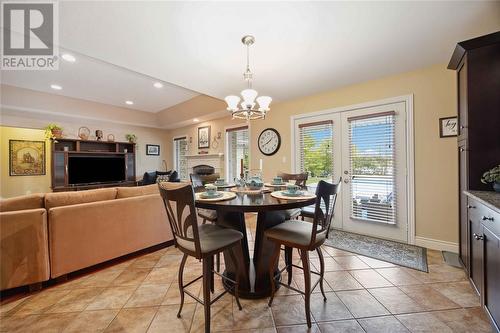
269 141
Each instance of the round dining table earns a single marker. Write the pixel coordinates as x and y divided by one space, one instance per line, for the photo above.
253 269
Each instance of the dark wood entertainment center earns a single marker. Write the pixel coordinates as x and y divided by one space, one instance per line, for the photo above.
62 149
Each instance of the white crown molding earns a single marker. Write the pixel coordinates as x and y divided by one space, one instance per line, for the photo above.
13 110
436 244
4 109
189 122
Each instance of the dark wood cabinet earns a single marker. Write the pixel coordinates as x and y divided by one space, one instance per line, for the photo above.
476 254
477 62
484 250
491 274
62 149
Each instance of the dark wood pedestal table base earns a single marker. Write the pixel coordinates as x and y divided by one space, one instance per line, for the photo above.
254 274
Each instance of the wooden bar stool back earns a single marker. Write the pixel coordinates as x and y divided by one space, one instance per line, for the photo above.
199 241
305 237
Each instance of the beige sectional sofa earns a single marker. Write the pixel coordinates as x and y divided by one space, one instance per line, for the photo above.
24 247
46 236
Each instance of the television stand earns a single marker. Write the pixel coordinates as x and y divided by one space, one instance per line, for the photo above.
62 149
84 187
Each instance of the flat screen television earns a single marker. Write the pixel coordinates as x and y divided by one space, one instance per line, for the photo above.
85 169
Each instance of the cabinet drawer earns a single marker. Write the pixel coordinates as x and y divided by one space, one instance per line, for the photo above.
488 217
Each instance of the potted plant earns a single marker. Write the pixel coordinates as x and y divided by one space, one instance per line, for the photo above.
53 131
492 176
132 138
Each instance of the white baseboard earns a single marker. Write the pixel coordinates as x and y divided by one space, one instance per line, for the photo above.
436 244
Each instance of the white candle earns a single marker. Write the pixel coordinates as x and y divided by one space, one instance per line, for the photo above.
260 164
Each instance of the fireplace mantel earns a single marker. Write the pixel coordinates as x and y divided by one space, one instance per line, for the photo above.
205 155
214 160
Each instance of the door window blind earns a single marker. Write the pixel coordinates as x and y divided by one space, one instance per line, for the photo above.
237 140
180 149
372 167
316 150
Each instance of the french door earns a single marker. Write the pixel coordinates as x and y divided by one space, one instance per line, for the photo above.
373 168
368 148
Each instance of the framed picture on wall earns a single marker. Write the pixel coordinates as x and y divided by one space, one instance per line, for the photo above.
153 150
203 137
26 158
448 127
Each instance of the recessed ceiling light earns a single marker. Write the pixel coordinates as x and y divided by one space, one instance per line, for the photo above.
196 120
158 85
129 102
55 86
68 57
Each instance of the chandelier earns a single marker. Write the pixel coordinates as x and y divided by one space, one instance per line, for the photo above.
248 109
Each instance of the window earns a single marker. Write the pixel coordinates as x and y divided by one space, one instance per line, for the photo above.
180 162
372 167
316 150
237 150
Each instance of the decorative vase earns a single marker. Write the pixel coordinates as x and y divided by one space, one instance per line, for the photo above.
57 133
496 187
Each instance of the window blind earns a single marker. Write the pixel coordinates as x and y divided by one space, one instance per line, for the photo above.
180 149
316 149
372 167
237 140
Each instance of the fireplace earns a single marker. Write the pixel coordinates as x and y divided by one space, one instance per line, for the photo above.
203 170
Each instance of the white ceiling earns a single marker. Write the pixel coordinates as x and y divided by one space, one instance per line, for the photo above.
98 81
301 47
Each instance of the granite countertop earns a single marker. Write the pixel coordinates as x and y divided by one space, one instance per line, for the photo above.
489 198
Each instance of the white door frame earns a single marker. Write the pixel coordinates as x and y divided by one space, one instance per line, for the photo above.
410 146
226 147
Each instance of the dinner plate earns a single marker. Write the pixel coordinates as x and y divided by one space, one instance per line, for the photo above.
205 195
290 194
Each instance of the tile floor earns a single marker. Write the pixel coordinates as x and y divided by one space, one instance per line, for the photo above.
364 295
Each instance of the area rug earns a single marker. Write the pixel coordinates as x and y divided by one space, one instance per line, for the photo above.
394 252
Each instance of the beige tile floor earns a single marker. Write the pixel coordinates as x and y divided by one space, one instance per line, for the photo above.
364 295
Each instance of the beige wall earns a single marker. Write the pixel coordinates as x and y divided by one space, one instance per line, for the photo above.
24 113
436 169
217 125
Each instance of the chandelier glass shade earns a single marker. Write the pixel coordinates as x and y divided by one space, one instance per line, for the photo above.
251 106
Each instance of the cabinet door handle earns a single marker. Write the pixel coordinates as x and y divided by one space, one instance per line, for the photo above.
485 218
462 149
478 237
462 126
471 207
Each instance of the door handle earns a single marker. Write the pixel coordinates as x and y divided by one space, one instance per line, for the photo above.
485 218
478 237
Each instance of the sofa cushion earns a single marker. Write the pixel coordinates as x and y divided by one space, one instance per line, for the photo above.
31 201
78 197
174 176
149 178
126 192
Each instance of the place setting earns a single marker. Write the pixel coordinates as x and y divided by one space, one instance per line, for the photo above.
211 194
222 183
293 192
277 183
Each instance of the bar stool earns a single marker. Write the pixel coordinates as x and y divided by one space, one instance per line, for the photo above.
199 241
300 179
305 237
